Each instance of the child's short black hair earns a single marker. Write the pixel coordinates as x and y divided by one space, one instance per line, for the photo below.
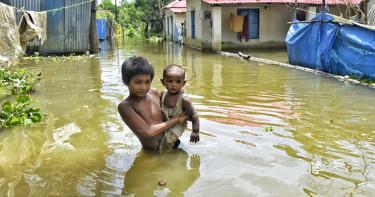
134 66
170 67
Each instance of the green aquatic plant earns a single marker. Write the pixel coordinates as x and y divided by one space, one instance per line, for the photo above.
156 38
362 79
18 112
62 58
17 81
268 128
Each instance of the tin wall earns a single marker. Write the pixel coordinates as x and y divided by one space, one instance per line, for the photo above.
67 29
77 26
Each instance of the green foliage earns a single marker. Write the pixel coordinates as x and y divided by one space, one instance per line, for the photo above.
108 16
156 38
369 81
17 113
17 81
129 16
150 13
107 5
363 79
130 31
137 15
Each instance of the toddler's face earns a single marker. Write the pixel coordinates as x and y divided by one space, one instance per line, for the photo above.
174 81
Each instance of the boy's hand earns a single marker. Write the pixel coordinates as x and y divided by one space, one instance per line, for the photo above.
194 137
182 119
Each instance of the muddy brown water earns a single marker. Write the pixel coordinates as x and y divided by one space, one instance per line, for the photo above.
266 130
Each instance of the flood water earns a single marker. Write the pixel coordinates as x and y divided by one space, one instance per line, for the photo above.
266 130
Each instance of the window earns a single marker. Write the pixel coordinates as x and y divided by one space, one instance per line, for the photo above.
193 24
253 20
301 15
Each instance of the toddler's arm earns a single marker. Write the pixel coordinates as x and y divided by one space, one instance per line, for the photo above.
193 116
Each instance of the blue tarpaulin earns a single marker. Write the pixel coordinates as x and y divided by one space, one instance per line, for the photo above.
101 25
327 46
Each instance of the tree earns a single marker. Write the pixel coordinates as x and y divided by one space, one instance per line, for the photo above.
138 13
150 13
129 16
107 5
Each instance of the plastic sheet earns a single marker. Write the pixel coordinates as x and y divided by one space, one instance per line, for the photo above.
329 47
10 48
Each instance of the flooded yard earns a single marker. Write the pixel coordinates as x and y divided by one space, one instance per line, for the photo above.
266 130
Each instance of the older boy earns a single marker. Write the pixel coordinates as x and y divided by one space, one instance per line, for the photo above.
141 109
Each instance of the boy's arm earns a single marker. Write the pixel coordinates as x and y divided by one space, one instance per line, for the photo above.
193 116
139 125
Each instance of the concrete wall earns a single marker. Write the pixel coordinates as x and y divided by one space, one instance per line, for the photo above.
194 5
175 19
168 17
273 27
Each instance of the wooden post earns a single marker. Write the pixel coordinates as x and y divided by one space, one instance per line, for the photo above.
295 9
366 13
93 36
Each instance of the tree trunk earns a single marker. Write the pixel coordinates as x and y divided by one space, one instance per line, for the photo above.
93 35
146 29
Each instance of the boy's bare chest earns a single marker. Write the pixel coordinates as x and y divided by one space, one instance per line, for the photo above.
148 109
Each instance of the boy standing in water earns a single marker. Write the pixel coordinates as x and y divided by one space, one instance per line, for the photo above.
175 102
141 109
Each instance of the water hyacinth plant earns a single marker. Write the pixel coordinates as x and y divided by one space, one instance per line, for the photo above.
18 112
16 81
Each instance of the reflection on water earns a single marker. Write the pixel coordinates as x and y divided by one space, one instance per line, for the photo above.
176 167
321 142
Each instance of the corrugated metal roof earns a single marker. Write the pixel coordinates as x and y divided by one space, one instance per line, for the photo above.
176 6
178 10
282 1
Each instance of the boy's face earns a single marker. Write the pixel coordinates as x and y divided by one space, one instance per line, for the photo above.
139 85
174 81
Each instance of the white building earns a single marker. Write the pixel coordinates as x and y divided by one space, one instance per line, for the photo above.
209 26
175 17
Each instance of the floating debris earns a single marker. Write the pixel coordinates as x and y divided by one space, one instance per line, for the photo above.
162 182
